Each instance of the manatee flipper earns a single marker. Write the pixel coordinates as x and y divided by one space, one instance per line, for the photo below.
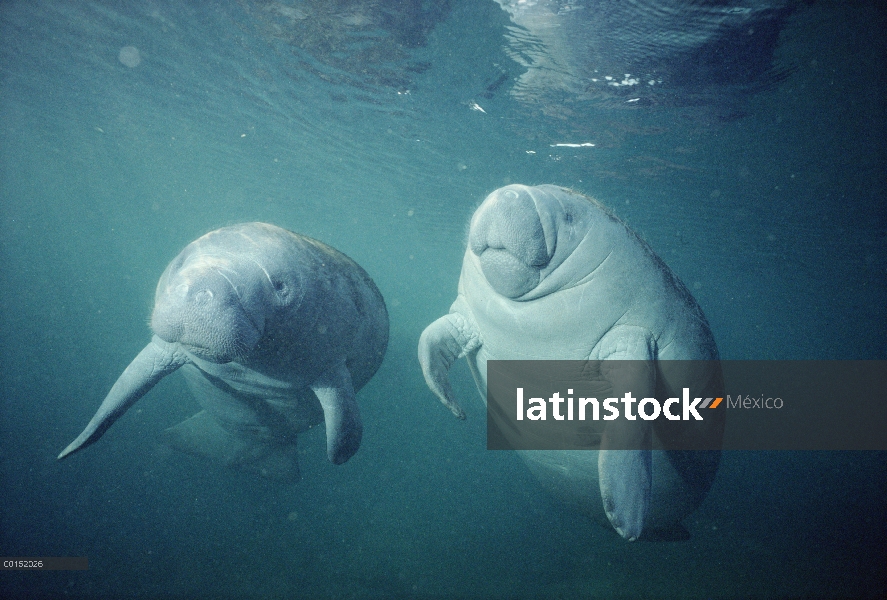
157 360
625 460
203 435
344 427
626 477
442 343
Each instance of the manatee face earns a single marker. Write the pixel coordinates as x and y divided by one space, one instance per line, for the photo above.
521 234
216 296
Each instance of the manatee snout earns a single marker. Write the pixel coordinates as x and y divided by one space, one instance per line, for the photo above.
508 237
207 309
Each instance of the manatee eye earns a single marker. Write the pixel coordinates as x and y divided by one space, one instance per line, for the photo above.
568 217
280 287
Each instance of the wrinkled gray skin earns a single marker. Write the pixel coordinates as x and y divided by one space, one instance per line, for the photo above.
274 332
549 274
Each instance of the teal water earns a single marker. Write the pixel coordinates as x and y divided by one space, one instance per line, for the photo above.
355 125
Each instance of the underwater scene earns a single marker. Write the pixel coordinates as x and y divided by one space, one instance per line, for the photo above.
154 379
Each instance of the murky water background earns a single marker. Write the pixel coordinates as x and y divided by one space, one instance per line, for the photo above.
126 131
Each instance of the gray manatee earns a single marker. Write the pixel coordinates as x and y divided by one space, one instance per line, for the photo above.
550 274
274 332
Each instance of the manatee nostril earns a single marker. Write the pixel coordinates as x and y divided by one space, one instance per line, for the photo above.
182 290
510 221
203 296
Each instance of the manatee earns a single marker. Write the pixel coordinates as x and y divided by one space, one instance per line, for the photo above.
550 274
275 333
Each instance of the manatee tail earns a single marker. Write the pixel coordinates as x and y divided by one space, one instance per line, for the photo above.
156 361
203 435
442 343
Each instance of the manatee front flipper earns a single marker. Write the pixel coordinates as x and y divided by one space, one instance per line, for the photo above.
157 360
203 435
626 477
625 460
344 428
442 343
